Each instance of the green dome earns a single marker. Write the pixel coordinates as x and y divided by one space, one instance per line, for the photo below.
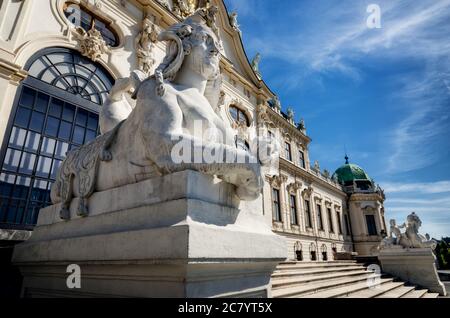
349 172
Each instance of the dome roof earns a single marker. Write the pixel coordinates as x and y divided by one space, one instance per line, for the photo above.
349 172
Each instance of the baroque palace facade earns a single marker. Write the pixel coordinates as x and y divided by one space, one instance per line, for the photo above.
60 58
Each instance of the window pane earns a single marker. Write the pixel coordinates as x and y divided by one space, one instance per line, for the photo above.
81 117
48 146
22 117
55 168
52 126
92 121
41 102
27 97
37 121
55 108
64 130
32 142
17 138
90 135
12 160
6 184
43 167
27 163
68 112
78 135
61 149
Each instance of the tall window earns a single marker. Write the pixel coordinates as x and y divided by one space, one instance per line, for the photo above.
293 205
347 225
50 117
308 214
276 205
81 17
301 159
239 116
330 221
338 217
287 149
319 217
371 226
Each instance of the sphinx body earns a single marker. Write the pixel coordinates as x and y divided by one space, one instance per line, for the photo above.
173 107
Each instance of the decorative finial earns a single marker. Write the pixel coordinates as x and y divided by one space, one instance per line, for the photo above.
346 159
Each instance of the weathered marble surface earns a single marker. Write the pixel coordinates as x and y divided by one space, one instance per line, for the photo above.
414 265
181 235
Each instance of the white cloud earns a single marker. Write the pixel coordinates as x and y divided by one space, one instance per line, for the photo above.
423 187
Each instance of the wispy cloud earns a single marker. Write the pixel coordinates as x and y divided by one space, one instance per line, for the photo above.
428 188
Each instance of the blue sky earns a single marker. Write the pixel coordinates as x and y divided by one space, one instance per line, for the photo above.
383 94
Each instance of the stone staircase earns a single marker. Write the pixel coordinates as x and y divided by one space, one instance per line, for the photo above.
338 279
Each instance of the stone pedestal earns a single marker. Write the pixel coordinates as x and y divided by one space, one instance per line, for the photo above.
181 235
416 266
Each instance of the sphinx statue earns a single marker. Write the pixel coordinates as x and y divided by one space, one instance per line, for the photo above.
410 238
161 134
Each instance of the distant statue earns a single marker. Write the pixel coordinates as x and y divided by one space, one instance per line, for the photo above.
275 102
301 125
410 238
290 113
316 166
233 21
145 42
255 64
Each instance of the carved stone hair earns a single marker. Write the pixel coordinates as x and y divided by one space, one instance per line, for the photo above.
179 45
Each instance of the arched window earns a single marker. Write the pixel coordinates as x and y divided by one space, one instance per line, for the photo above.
323 249
239 116
298 251
55 110
313 252
79 16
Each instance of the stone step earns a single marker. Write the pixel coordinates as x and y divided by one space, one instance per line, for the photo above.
312 287
318 262
377 290
430 295
319 271
343 290
415 293
397 293
314 265
301 279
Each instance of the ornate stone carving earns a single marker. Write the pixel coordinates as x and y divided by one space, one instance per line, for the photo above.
185 8
92 44
163 139
145 43
410 238
277 180
255 65
294 187
164 3
82 164
307 192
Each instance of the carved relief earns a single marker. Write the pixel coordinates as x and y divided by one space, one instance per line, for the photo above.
307 192
92 44
145 44
277 180
294 187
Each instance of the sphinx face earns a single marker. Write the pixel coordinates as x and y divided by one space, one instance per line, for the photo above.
204 55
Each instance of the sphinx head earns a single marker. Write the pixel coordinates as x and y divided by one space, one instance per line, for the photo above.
192 44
